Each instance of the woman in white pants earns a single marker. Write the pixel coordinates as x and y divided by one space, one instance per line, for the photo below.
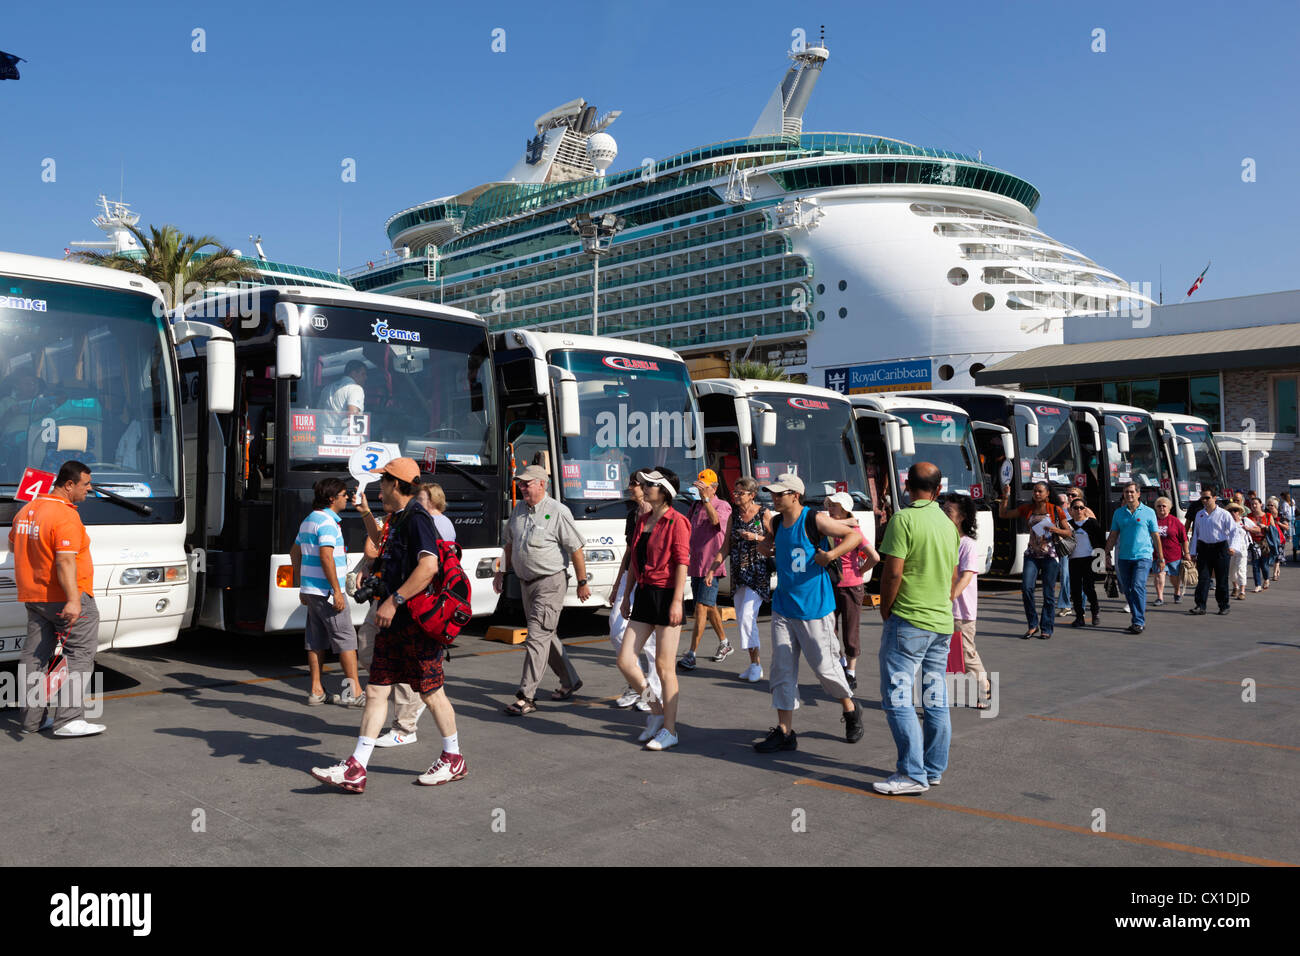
1238 545
624 584
750 570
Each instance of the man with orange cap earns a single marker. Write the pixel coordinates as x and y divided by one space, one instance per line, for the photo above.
709 516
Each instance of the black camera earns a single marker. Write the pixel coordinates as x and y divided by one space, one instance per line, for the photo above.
370 587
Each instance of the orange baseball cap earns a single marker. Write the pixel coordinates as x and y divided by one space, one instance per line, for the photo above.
708 476
404 469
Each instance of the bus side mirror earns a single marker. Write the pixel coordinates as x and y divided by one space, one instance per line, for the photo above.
744 428
221 376
908 438
1008 446
1031 434
570 423
893 437
1121 439
1189 457
767 427
286 316
288 356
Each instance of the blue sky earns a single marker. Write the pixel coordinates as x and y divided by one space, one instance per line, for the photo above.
1137 151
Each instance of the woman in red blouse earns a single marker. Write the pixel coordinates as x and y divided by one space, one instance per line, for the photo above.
1173 539
660 553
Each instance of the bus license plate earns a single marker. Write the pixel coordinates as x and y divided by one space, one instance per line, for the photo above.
10 644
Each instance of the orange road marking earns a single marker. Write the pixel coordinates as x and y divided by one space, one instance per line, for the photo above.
1170 733
1050 825
1235 683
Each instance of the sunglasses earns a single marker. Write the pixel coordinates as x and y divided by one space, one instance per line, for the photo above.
1077 506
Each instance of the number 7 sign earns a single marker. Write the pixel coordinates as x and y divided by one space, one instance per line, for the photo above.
34 482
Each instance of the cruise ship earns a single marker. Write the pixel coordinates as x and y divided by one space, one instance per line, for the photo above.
856 262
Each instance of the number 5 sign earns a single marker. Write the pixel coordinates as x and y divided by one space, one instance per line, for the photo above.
34 482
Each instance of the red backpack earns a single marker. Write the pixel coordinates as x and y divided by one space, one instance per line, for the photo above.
443 608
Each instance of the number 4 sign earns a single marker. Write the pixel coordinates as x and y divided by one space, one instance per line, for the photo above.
34 482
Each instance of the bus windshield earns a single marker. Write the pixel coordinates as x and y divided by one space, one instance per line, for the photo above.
945 439
421 383
635 413
815 440
89 378
1056 459
1208 471
1141 465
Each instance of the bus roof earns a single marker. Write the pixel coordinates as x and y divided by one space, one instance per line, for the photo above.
891 401
344 298
1174 418
984 391
1104 407
547 341
76 273
755 386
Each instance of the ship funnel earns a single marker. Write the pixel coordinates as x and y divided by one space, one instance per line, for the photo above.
783 114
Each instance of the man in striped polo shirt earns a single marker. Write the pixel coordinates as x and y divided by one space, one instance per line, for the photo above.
321 565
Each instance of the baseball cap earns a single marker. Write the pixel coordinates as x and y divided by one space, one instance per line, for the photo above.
786 482
708 476
532 473
843 499
403 469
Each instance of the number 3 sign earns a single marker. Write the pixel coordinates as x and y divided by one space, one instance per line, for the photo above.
367 460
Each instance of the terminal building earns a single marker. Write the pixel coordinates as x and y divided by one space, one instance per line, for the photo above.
1234 362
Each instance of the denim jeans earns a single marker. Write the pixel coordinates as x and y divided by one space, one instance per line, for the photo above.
1049 568
1063 601
1262 568
904 649
1132 575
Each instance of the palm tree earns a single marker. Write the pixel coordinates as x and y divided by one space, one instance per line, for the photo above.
759 370
176 262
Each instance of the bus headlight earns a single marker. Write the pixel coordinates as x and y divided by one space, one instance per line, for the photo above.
159 575
599 555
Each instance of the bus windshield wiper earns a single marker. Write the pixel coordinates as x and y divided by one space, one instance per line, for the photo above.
124 502
444 463
592 509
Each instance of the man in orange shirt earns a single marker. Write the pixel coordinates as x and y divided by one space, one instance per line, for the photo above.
55 581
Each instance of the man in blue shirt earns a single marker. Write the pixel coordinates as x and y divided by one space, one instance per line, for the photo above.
320 565
1135 528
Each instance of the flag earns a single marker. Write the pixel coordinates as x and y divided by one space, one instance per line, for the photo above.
9 65
1199 279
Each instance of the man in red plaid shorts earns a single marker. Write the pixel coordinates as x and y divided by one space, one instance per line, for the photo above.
404 653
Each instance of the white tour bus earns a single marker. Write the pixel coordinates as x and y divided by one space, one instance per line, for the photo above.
1193 457
762 429
88 373
592 410
896 431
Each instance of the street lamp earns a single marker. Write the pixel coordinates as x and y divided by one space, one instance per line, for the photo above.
597 234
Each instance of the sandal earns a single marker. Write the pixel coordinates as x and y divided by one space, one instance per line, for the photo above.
564 693
520 707
1032 632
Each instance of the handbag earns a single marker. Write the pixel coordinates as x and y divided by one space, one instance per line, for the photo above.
56 672
1064 544
1111 585
956 659
1190 575
835 568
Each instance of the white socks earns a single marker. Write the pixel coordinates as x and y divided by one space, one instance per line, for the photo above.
451 744
365 747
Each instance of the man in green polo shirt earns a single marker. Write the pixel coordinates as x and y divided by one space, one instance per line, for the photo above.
918 565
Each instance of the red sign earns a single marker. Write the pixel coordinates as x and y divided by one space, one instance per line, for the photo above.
1131 419
1164 484
936 418
430 459
304 422
977 491
1195 428
34 482
626 364
1047 410
763 472
572 471
1081 480
808 403
841 486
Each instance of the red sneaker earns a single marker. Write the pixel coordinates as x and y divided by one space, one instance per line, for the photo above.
448 768
349 775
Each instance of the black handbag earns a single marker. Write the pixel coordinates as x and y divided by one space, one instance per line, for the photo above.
1111 585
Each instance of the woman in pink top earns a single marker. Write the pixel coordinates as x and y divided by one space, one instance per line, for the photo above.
849 592
961 510
1173 539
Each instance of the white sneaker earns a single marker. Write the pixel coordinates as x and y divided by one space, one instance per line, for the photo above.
662 741
642 706
652 726
627 698
394 739
349 697
79 728
753 673
898 784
